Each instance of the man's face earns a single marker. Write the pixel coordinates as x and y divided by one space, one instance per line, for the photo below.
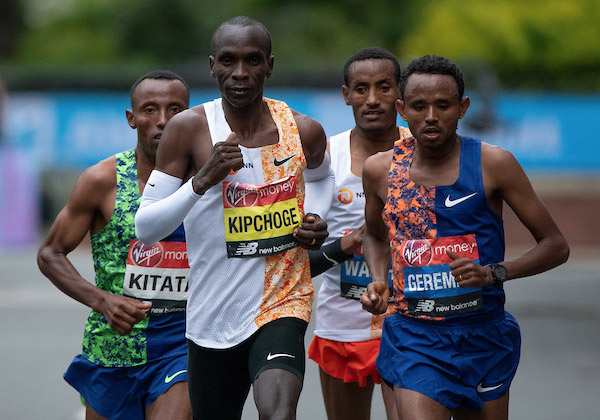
241 63
372 93
432 108
154 102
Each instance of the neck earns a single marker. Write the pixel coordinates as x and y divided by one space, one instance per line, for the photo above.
375 141
144 164
441 153
245 120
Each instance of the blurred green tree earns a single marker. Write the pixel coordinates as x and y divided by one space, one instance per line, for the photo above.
537 44
532 44
12 24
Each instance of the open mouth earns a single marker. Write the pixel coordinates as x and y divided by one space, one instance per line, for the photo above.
372 114
431 132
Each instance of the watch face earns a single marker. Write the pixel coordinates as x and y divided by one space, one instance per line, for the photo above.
499 272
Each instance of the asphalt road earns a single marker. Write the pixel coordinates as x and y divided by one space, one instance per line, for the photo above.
559 315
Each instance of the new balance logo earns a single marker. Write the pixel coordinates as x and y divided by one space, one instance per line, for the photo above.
425 305
249 248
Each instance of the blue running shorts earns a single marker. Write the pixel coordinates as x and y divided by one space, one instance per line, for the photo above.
455 365
123 393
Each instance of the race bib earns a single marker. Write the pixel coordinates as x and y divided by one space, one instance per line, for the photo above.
260 219
355 276
429 287
158 273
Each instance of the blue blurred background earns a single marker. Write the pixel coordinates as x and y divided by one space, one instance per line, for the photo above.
532 71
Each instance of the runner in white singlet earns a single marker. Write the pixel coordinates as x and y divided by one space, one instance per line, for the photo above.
249 224
346 336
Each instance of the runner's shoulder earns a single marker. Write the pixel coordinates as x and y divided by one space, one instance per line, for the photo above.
95 183
378 164
308 124
189 119
495 158
102 175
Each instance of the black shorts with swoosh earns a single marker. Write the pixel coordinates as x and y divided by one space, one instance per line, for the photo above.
219 380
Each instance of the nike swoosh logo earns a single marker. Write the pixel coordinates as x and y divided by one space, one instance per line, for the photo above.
171 377
452 203
282 161
152 185
481 389
273 356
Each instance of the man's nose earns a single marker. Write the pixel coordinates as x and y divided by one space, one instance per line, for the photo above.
163 118
430 114
240 71
372 97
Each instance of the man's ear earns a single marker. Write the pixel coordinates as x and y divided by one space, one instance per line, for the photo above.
464 105
130 119
271 62
400 108
346 94
211 63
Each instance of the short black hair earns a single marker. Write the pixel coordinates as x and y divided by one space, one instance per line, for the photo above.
372 53
158 74
243 21
433 64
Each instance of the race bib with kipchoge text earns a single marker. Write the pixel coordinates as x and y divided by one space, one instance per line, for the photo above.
260 219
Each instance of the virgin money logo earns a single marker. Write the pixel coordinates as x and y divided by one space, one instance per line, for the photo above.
146 256
345 196
239 194
417 252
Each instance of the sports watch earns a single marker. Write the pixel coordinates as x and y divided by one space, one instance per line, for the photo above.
499 272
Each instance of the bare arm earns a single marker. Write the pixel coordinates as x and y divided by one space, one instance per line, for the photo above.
314 140
92 198
506 181
376 243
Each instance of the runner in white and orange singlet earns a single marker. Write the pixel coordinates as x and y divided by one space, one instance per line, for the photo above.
248 225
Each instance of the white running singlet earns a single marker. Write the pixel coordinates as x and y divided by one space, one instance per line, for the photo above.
342 318
248 216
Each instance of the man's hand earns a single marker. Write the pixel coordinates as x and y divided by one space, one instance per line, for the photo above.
467 273
375 298
123 312
312 232
352 242
226 156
